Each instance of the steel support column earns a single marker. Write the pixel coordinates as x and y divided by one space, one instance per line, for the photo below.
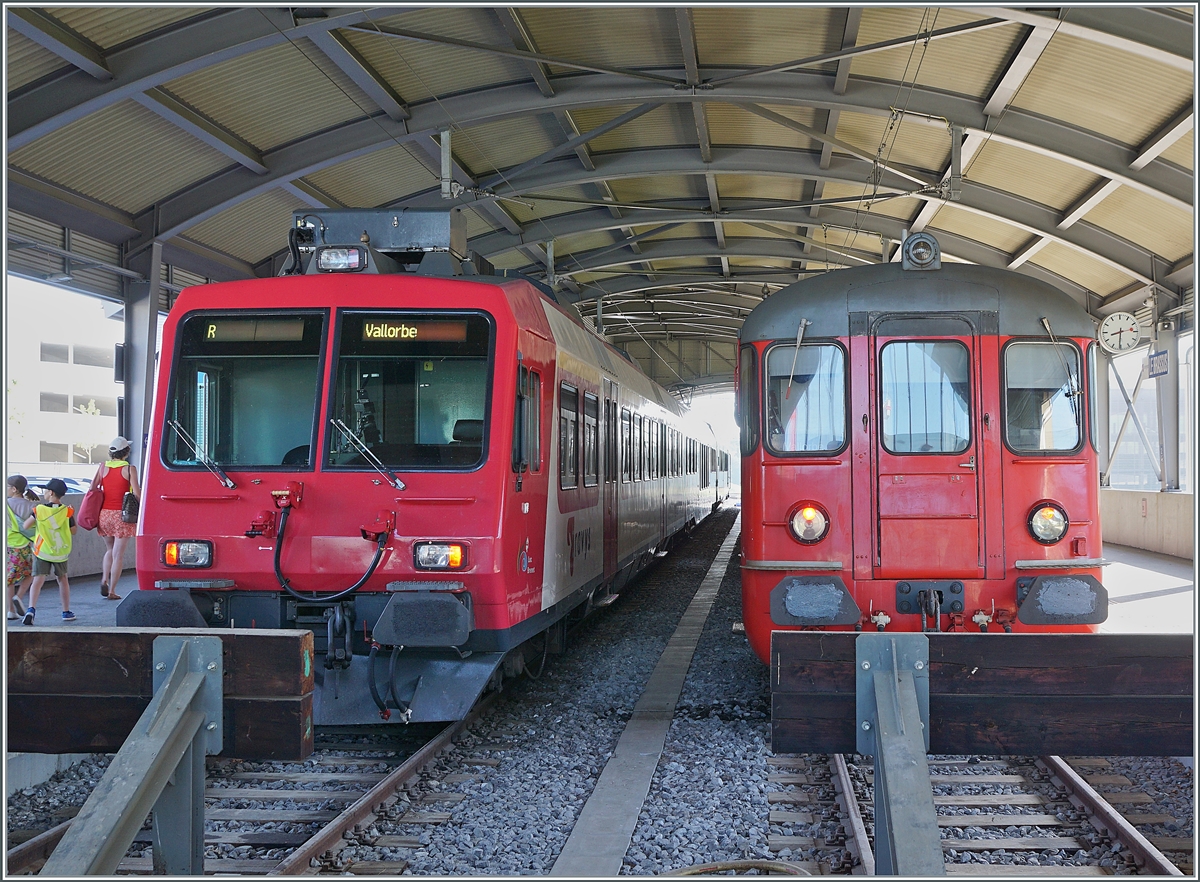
141 340
1167 388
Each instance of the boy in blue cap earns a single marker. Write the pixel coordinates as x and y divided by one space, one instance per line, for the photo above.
55 524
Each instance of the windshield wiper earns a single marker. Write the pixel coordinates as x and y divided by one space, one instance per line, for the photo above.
200 456
371 458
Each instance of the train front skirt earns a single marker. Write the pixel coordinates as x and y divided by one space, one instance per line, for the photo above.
427 688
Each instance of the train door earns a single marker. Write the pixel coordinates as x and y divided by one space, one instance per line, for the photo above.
927 455
612 478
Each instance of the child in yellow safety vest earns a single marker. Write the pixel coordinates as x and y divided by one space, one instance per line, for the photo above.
55 524
18 569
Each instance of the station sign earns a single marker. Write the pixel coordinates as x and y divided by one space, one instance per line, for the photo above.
1158 364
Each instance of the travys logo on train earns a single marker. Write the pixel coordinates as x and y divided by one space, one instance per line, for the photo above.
579 542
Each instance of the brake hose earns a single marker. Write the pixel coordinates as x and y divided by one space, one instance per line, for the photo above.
400 705
314 598
384 713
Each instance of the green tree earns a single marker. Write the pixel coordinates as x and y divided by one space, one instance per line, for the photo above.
85 450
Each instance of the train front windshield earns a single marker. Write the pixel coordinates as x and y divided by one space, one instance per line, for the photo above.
245 390
413 389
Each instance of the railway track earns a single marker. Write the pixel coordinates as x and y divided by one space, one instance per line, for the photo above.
1043 816
271 822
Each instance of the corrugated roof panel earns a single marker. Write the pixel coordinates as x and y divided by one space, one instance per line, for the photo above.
488 149
252 230
912 141
667 263
1034 176
31 261
773 262
378 178
995 233
659 187
421 71
1157 226
686 231
666 125
1081 269
966 64
27 61
772 187
109 26
566 246
1183 152
730 124
1104 90
526 211
754 36
478 224
133 158
276 95
623 36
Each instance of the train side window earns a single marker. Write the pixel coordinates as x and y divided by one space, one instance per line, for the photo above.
626 445
568 437
652 447
641 448
925 397
1042 401
591 447
806 398
747 409
527 421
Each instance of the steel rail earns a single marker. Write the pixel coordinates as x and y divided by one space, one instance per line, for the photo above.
299 861
1098 808
859 840
35 850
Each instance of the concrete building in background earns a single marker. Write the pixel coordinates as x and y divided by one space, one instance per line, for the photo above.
61 397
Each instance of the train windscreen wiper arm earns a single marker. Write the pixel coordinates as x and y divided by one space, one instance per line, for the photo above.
370 457
200 455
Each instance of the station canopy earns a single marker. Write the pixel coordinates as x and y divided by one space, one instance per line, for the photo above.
667 166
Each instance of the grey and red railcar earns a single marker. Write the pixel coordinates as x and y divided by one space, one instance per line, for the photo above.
918 445
434 472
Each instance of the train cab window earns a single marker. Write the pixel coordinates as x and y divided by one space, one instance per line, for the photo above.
925 397
1043 404
591 446
806 398
413 389
747 401
527 419
568 437
535 421
244 391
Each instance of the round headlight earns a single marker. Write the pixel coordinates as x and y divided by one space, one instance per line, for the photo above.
809 524
1048 523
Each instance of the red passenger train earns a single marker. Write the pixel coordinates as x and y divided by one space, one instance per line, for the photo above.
433 474
919 453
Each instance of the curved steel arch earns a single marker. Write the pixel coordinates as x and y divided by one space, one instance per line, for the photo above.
1088 151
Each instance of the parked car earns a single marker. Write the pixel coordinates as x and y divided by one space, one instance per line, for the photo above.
74 485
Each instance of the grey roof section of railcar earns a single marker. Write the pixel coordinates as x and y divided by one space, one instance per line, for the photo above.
583 343
827 301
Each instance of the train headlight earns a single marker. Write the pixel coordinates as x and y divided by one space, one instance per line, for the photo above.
809 524
440 555
1048 523
187 553
339 259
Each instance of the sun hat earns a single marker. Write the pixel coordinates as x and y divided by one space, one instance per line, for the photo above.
118 444
57 487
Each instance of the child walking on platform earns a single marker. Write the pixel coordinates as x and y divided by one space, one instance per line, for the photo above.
55 525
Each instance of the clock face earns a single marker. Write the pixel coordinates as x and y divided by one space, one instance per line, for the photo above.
1119 332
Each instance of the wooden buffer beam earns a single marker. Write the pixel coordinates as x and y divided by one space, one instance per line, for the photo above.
83 690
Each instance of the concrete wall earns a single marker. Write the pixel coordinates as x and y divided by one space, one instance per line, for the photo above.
1162 522
23 770
87 548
